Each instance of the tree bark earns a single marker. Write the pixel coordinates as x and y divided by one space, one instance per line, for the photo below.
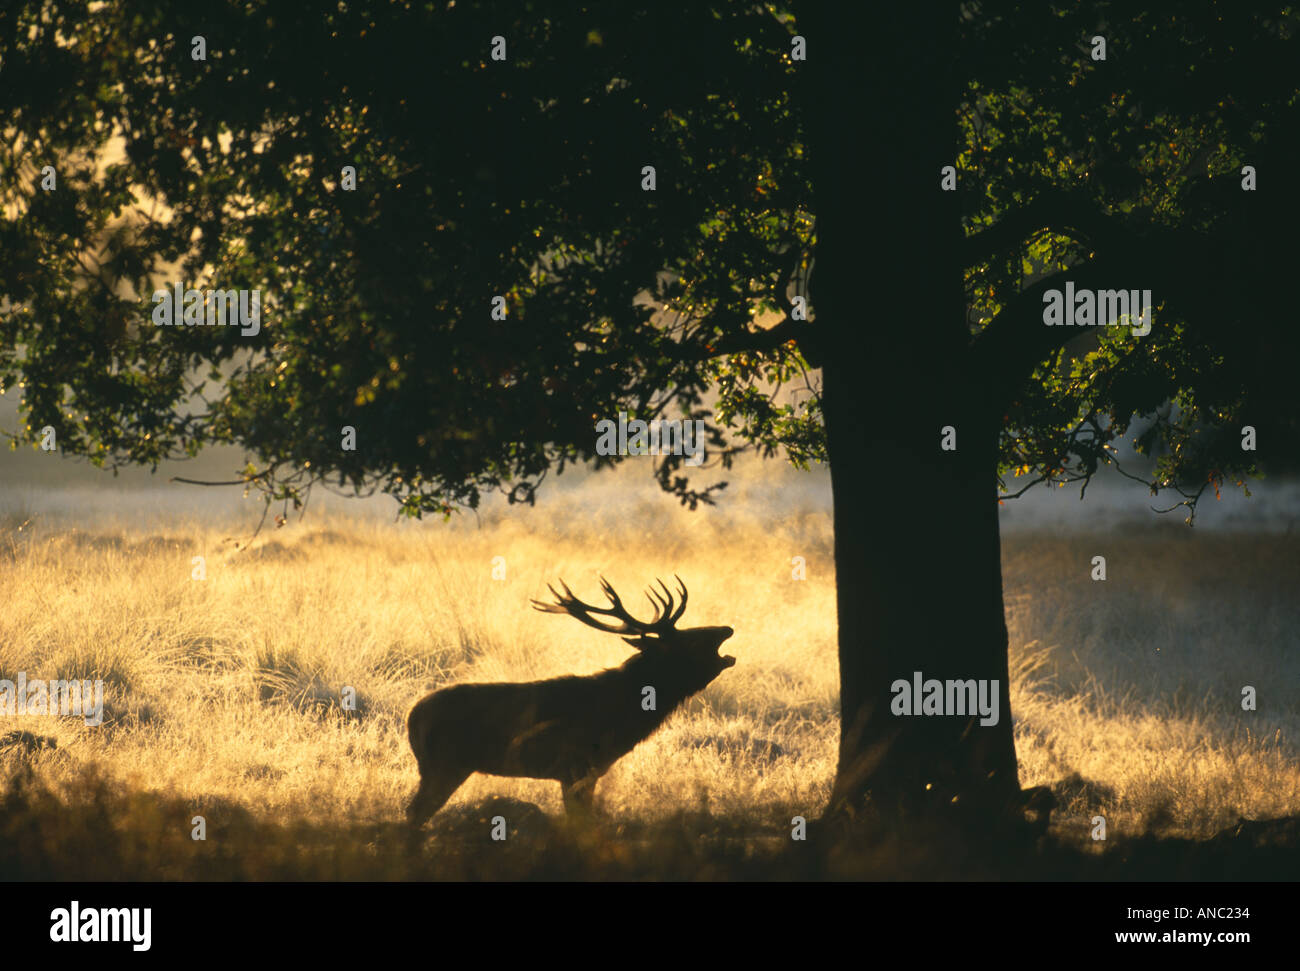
917 552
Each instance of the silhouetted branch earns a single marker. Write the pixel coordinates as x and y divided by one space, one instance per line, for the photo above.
231 482
757 340
1067 213
1017 338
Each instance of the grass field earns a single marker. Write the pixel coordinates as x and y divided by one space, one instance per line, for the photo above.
222 695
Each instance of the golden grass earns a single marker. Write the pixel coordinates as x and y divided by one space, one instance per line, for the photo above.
1138 680
223 694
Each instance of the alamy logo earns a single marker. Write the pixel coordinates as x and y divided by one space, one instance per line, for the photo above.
130 924
1099 308
83 698
658 437
934 697
209 308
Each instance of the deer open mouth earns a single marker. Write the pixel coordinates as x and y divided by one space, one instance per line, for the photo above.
727 660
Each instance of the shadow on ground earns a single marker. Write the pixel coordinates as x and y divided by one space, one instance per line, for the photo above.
103 831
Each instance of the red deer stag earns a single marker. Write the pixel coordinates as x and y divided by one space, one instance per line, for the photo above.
569 729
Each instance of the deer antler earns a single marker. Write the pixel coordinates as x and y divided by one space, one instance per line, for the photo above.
666 617
664 620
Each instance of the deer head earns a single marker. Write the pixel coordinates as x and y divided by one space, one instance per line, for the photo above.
694 648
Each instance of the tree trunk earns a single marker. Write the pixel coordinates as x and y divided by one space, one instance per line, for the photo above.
918 573
917 554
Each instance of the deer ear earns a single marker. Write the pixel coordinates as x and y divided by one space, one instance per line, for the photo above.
642 643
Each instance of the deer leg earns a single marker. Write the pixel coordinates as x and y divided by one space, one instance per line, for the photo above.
435 789
579 795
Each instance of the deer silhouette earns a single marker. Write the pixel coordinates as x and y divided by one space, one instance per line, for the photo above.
569 729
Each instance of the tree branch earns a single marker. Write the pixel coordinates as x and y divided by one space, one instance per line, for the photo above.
767 339
764 340
756 340
1017 339
1068 213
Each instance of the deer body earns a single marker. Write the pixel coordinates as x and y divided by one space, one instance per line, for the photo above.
569 729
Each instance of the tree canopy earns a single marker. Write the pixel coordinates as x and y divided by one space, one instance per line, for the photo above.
474 178
523 177
1132 168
